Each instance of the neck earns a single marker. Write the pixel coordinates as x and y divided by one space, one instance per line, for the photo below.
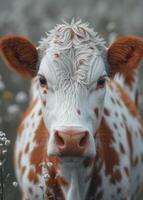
76 175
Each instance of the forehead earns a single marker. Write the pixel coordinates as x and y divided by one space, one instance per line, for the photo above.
72 50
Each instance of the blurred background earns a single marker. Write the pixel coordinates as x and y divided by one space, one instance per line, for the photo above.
32 18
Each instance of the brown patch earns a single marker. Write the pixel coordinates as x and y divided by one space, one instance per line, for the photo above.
106 112
122 149
57 55
106 151
116 177
122 125
127 171
54 183
38 155
45 91
62 181
141 132
130 143
44 103
78 112
129 80
137 98
135 162
127 101
115 125
21 128
27 148
124 117
33 177
19 54
95 184
82 61
118 102
113 100
40 112
96 110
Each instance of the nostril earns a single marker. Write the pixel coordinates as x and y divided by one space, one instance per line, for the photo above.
84 139
59 140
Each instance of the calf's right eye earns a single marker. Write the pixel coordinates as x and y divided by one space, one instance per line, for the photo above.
42 80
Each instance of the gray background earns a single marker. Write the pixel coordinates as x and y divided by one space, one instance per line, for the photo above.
32 18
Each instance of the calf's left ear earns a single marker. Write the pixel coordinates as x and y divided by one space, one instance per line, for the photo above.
20 55
124 55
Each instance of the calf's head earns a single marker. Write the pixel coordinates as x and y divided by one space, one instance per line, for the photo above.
72 76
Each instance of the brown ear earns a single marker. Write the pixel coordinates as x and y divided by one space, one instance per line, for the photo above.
19 54
124 55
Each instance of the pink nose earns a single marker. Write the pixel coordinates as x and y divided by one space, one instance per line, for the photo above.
71 142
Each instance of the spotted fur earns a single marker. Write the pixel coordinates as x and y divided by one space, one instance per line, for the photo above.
72 68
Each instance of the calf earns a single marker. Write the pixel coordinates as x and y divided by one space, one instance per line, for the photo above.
81 137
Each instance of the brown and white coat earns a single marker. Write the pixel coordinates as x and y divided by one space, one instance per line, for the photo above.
81 137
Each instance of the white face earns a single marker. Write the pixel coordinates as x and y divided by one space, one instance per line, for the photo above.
72 96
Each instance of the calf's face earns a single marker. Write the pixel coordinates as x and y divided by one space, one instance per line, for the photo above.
72 94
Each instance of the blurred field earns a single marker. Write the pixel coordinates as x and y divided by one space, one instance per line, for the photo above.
32 18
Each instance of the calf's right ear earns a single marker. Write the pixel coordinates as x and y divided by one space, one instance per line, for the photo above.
20 55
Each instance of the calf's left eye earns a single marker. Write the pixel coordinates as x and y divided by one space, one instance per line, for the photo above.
101 82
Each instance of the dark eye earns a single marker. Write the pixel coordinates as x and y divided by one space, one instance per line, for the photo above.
101 82
42 80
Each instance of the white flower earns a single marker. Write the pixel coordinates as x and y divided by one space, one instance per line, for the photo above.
13 109
21 97
15 184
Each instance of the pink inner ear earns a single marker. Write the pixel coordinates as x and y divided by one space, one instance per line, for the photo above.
19 54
